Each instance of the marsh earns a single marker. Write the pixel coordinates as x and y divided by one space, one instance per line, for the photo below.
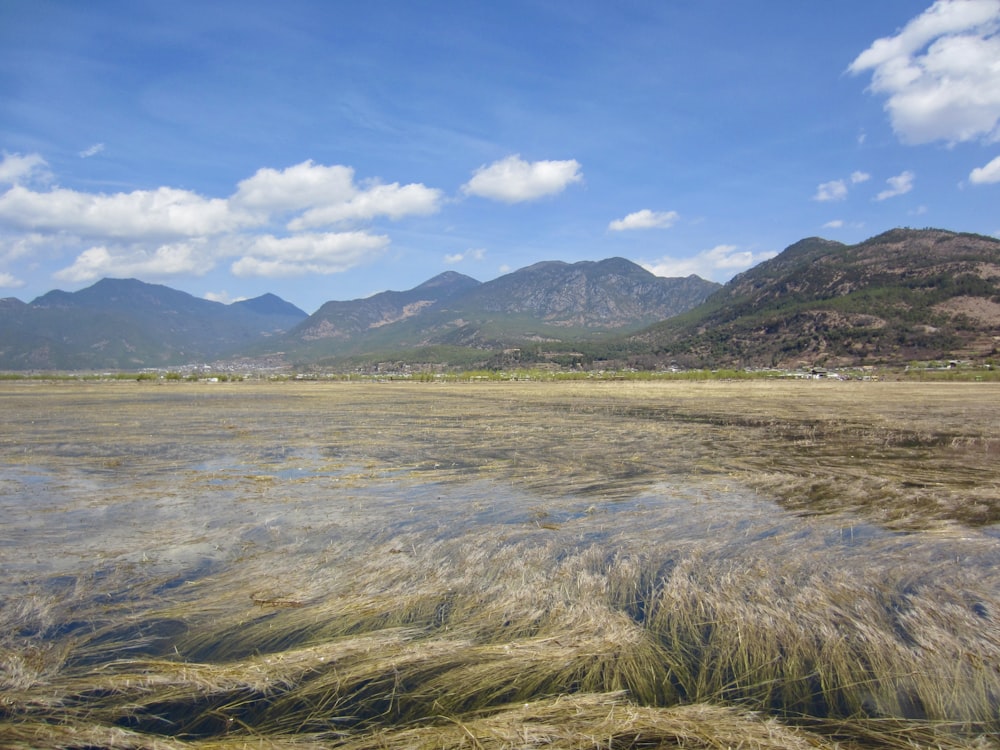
562 564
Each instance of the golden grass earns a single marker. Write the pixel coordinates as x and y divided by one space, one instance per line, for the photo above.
494 566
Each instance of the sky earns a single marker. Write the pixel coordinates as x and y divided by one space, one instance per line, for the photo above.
331 150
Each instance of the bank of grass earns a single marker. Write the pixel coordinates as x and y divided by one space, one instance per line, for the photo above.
588 619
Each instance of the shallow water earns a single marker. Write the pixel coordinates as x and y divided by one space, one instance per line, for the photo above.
192 521
205 527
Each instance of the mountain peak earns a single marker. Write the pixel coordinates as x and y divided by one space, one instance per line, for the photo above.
271 304
449 280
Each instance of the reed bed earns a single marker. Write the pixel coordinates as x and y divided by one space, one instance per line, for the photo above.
265 581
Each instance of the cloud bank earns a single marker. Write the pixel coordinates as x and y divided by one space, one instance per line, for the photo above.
305 219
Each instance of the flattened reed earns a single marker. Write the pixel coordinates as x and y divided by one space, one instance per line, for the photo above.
479 609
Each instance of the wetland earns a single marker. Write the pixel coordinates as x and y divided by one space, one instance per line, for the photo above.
499 564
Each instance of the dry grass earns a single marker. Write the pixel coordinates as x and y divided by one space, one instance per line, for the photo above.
497 566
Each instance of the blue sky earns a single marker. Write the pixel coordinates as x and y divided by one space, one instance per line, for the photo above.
330 150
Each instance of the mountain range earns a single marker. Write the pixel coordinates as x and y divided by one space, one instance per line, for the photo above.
127 324
454 317
903 295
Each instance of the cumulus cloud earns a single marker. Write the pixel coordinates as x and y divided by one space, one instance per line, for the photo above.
858 177
393 201
473 254
164 212
720 262
986 175
298 187
15 168
268 223
513 180
328 195
835 224
835 190
898 185
326 253
645 219
941 73
166 260
8 281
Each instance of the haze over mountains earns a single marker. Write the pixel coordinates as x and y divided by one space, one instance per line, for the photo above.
904 295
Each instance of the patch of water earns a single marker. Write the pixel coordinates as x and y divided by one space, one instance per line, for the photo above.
201 520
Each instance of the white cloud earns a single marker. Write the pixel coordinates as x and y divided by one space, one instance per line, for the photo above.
19 246
328 195
987 174
298 187
168 231
8 281
858 177
164 212
835 224
15 169
166 260
92 151
645 219
473 254
835 190
394 201
708 264
513 180
898 185
940 73
327 253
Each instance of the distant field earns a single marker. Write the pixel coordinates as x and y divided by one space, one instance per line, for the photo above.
575 564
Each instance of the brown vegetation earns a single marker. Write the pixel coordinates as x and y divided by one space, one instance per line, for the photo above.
616 565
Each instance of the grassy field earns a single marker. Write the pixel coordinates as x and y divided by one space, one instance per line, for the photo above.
499 565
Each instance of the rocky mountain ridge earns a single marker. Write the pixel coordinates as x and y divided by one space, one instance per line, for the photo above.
903 295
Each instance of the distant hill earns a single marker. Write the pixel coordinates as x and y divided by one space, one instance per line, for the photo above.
550 304
903 295
128 324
